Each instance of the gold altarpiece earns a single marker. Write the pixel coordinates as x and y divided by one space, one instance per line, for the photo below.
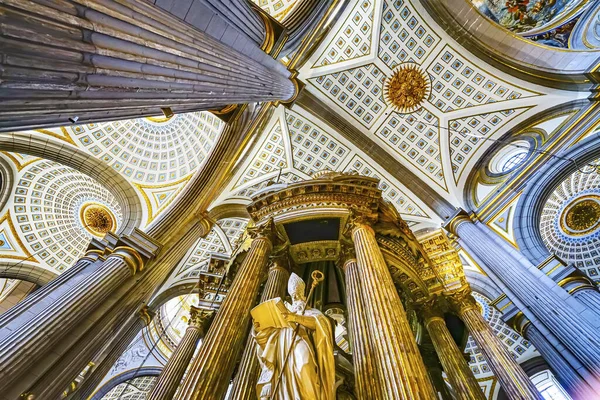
396 292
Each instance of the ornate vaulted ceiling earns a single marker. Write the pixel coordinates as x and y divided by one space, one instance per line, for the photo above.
471 104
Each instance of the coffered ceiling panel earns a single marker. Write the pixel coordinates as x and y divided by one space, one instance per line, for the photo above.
463 105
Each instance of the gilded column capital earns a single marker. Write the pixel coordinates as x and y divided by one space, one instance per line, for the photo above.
460 217
520 323
347 255
431 310
575 283
146 315
93 255
281 260
200 318
461 300
205 221
266 231
357 220
132 258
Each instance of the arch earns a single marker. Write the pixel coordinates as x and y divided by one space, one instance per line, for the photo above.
26 271
124 377
7 180
529 208
180 289
228 210
524 130
45 147
482 284
553 67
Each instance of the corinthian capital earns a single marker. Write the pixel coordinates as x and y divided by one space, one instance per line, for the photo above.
200 318
461 300
357 220
267 230
146 315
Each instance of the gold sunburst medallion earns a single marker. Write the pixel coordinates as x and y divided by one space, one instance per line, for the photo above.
582 216
97 219
407 88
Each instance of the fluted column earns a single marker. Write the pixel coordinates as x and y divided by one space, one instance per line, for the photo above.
569 320
568 377
583 289
363 353
55 287
27 341
511 376
212 368
124 339
400 370
244 383
171 375
459 374
90 61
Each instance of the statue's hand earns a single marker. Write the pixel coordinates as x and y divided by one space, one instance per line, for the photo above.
290 317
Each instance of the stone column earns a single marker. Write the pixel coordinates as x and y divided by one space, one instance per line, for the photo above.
29 339
399 367
570 321
88 61
210 372
125 337
55 287
511 376
244 383
583 289
171 375
567 376
361 343
459 374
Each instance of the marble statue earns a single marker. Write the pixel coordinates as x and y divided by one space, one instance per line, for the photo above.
308 372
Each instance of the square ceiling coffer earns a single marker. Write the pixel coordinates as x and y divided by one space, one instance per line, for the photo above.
313 230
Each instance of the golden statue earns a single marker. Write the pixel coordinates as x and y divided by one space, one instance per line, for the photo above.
294 348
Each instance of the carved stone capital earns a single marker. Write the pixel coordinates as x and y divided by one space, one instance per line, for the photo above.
206 222
461 216
200 318
267 231
146 315
431 309
358 220
280 259
132 258
347 254
461 300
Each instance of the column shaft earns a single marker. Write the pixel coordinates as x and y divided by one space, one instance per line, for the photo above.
21 346
400 371
211 370
511 376
54 288
589 297
124 337
568 377
244 383
171 375
361 342
115 60
562 314
459 374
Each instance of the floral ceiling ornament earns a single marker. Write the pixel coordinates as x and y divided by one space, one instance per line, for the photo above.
407 88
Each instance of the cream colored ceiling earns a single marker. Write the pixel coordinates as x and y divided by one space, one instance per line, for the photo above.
296 144
471 103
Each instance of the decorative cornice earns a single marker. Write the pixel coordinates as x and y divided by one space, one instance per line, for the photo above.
459 217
